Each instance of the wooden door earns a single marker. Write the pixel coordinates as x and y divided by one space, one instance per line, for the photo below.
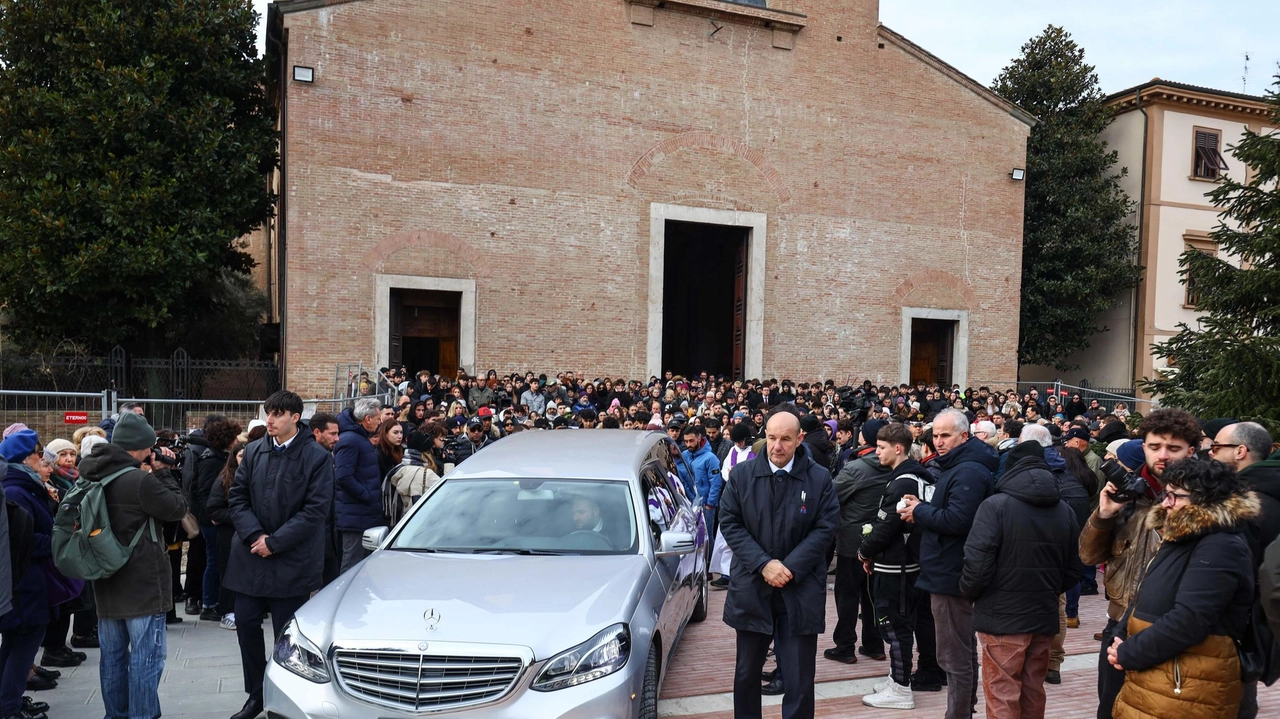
395 353
740 311
924 358
449 357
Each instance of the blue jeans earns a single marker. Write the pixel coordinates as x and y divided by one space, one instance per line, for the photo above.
1073 601
17 653
211 584
133 652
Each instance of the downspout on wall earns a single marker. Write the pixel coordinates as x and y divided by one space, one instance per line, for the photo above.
1135 333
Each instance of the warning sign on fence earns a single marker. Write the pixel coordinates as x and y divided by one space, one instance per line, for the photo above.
76 418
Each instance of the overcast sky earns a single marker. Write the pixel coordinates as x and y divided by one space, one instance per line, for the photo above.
1201 42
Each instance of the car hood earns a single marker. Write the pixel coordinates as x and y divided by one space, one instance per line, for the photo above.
548 604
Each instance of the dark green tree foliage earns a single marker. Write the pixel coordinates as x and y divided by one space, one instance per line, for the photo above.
1229 364
1078 250
134 142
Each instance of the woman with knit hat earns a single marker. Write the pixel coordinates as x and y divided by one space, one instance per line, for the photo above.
22 626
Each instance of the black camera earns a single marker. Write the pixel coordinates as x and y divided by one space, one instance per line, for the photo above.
177 445
1129 486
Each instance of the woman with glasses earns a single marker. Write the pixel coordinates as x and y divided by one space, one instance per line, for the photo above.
1192 605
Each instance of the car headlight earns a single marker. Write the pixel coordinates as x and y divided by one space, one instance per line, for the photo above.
300 656
599 656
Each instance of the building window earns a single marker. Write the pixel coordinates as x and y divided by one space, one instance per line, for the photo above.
1200 242
1208 162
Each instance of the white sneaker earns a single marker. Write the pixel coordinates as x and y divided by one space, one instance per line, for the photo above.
894 696
882 685
228 621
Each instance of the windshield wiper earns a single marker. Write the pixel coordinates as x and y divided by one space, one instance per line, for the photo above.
429 550
521 552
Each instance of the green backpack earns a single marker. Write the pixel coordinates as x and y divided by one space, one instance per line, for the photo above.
84 547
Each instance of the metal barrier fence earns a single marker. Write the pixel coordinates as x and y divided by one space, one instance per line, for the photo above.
54 414
184 415
1106 396
60 414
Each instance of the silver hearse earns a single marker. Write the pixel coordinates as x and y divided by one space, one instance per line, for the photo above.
550 575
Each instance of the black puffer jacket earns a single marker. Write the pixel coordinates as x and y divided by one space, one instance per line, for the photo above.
206 473
946 519
1021 551
859 487
1264 480
894 545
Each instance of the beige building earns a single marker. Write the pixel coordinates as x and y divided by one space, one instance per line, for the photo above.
1175 139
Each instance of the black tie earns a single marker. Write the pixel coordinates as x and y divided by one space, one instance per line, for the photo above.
780 475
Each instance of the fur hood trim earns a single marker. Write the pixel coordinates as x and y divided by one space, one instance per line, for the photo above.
1196 520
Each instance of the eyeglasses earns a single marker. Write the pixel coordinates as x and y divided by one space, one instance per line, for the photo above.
1220 445
1170 494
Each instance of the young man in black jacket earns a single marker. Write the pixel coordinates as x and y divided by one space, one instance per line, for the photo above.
1020 555
890 553
279 503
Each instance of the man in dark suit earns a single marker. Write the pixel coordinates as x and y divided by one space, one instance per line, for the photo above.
280 498
779 514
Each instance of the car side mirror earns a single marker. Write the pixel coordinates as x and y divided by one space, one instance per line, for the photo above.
674 544
374 537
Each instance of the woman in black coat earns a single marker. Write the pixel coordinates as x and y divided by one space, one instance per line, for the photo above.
220 516
1180 656
220 434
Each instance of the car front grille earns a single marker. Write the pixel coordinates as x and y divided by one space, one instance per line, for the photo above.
425 682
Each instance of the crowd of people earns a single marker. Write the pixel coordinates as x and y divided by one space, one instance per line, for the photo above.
955 520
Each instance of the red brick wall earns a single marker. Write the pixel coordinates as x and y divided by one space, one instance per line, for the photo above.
522 142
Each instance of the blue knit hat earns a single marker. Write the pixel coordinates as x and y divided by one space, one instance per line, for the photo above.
19 445
1131 455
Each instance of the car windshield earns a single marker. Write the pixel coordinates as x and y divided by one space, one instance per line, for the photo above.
523 516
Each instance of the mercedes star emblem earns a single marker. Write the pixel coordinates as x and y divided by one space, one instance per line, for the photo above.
432 618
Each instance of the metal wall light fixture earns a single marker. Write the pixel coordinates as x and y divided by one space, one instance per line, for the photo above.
1019 174
302 73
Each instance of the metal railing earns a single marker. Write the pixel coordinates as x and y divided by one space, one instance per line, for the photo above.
184 415
1107 396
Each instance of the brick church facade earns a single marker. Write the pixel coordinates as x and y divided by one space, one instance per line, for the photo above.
620 187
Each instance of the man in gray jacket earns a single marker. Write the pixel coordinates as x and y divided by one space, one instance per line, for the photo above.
859 485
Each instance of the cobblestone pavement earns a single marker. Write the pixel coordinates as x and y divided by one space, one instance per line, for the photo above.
202 676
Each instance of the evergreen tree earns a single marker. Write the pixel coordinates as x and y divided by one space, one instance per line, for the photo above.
135 139
1228 365
1078 249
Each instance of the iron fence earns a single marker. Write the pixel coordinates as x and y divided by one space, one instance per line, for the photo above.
54 414
178 376
39 373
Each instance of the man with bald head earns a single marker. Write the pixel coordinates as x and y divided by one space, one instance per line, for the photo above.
967 465
779 515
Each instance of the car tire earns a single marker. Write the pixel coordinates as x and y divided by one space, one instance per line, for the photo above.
649 694
700 609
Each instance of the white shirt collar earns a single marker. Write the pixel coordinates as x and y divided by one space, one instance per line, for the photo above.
787 468
284 445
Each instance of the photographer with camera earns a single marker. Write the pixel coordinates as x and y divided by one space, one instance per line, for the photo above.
1116 533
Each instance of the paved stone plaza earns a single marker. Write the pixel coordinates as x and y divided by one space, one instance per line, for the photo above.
202 677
